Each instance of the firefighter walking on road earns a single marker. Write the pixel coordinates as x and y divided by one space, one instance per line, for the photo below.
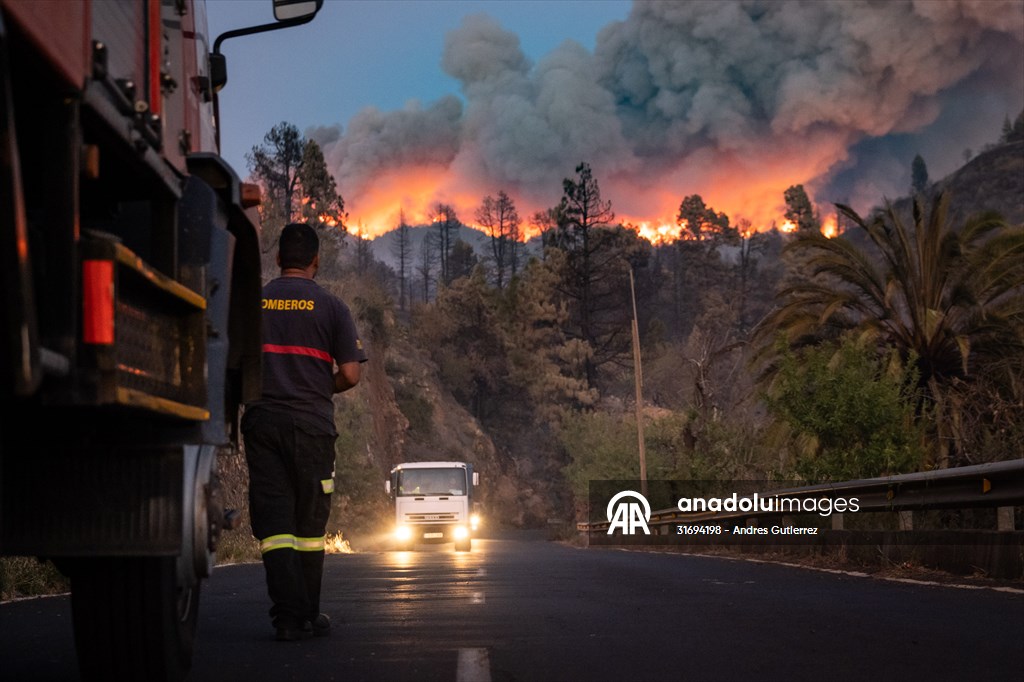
310 352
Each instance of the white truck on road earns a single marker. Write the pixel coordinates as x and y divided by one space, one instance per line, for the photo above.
434 503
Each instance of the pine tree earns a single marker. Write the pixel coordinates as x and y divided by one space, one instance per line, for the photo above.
800 211
462 260
581 212
276 165
1007 131
593 260
426 263
702 223
1017 131
297 185
543 363
447 224
501 221
918 175
321 205
401 249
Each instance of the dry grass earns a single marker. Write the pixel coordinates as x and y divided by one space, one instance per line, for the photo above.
236 546
29 577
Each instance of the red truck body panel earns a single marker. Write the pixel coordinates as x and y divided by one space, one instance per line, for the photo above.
159 47
61 30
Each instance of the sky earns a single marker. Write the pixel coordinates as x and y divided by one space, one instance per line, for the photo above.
367 53
420 101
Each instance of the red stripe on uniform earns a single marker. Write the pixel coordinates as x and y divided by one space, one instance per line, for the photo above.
297 350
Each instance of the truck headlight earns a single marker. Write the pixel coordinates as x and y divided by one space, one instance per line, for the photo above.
403 533
460 532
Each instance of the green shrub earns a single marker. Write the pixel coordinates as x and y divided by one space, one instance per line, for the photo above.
850 414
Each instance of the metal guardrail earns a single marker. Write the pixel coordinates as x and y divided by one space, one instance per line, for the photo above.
999 484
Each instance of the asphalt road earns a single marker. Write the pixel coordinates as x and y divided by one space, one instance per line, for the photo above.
521 608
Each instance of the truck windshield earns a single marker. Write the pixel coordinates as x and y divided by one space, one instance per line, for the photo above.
432 482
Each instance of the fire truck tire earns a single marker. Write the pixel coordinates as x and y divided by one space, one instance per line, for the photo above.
463 545
131 620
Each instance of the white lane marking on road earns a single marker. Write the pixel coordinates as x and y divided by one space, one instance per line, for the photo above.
474 666
477 598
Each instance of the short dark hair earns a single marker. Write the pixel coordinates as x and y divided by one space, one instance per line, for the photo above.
298 245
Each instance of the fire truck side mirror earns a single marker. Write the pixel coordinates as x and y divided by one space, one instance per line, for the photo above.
476 478
387 487
287 10
288 13
218 71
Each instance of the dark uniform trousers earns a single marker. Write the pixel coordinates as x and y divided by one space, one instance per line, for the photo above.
291 478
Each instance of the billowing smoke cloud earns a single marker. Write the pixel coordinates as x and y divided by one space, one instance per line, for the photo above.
732 100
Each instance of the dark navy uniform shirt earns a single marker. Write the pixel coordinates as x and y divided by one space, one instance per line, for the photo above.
306 330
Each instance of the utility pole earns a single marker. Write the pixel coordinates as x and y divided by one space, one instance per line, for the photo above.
639 376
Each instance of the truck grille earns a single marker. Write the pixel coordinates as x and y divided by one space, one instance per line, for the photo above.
427 518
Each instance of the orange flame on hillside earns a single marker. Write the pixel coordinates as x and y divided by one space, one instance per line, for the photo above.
830 227
417 191
414 191
660 233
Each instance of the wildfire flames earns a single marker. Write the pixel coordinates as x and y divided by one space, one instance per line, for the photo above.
658 234
415 194
830 227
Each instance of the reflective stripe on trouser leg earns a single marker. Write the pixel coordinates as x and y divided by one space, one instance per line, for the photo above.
284 541
310 544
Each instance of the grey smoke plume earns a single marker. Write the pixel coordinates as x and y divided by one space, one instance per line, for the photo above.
733 100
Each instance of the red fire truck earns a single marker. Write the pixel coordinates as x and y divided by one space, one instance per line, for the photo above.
129 312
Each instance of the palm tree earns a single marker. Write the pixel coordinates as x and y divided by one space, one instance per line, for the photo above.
950 301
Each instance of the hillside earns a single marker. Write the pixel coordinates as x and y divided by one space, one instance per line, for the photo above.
416 418
991 181
383 248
